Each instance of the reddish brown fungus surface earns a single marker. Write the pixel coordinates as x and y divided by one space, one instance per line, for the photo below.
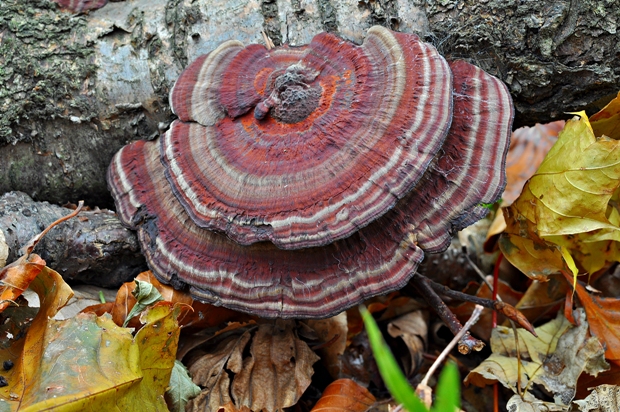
299 181
303 146
79 6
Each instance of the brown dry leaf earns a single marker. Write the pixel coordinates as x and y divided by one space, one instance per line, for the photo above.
604 398
528 147
528 403
333 331
555 359
412 328
604 319
230 407
274 375
542 298
16 277
391 306
344 395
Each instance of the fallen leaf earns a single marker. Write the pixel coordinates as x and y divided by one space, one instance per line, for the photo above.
563 213
25 351
181 389
277 359
333 331
607 121
542 299
604 319
587 382
528 147
604 398
230 407
555 359
529 403
16 277
412 328
344 395
146 295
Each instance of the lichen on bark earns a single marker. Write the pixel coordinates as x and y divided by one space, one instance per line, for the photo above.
41 70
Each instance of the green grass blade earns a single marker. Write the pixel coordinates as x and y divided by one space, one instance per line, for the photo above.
448 391
393 377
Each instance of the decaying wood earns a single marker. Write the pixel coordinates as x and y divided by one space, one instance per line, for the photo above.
75 88
93 248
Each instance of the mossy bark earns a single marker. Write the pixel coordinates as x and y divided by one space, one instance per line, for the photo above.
75 88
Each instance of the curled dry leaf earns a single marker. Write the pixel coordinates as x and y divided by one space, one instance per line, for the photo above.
604 398
332 331
542 298
344 395
412 328
278 360
555 359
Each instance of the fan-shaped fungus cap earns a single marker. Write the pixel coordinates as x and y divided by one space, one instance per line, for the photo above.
470 168
260 278
303 146
266 280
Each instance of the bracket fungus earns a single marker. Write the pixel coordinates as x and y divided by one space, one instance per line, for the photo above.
299 181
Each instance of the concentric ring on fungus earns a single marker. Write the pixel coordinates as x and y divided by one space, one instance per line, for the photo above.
369 120
305 209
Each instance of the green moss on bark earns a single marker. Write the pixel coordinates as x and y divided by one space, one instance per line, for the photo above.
42 71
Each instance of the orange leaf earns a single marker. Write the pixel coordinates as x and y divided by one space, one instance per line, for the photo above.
603 315
528 147
17 276
99 309
344 395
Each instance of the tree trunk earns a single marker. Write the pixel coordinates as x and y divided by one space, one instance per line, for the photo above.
75 88
92 248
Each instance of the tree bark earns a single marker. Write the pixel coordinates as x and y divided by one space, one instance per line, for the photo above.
75 88
92 248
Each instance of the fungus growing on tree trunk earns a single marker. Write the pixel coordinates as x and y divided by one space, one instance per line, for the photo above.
300 181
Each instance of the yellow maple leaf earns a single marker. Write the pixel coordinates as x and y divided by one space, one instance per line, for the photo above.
566 217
